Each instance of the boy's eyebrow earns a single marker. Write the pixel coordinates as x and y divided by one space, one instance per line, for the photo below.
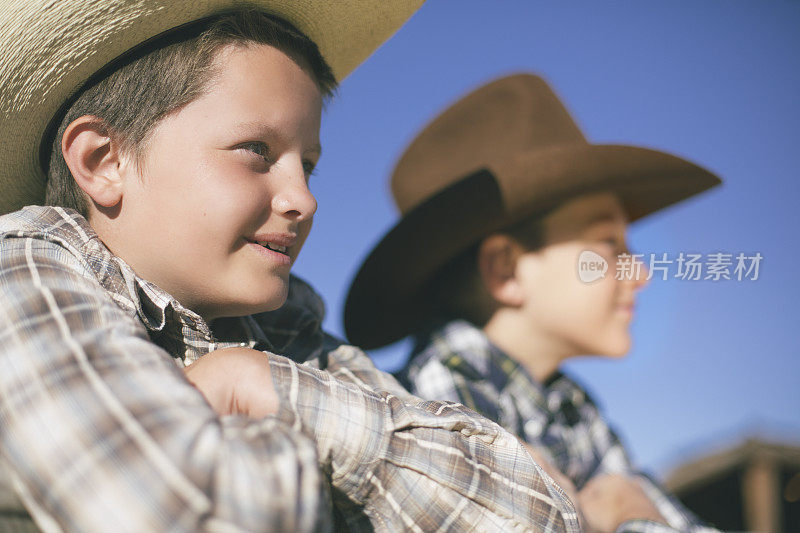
607 217
317 149
600 218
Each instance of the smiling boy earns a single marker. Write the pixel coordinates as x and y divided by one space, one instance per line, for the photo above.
500 195
240 165
177 141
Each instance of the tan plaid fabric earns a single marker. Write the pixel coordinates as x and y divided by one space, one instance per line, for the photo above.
100 431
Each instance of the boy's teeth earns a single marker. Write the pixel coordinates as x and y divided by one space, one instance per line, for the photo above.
275 247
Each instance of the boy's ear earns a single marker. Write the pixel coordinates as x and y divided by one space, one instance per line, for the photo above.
94 160
497 264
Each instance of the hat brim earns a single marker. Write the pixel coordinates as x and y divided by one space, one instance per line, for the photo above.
50 49
386 300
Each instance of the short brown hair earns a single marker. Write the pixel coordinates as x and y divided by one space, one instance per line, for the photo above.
134 97
457 291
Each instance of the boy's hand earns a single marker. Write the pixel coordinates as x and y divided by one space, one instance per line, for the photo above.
608 500
235 381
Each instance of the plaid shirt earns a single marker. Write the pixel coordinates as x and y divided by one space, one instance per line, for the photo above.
99 429
457 362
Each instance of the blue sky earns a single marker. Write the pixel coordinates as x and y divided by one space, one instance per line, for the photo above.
716 82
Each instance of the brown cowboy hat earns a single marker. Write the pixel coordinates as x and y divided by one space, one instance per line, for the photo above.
50 49
507 151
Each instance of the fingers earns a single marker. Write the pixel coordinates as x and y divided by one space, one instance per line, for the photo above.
608 500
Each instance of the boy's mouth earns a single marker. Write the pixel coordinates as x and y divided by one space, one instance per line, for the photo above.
279 243
273 247
626 307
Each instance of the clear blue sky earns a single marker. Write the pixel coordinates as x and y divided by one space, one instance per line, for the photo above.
717 82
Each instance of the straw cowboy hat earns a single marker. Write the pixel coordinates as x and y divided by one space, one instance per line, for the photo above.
507 151
50 49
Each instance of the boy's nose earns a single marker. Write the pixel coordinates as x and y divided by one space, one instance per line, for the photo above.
293 198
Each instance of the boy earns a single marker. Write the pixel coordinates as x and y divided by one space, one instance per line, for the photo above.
178 139
500 194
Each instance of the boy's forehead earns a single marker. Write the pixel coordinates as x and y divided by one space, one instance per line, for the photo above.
223 56
266 94
250 52
584 212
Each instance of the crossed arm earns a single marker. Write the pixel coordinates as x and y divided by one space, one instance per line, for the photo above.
238 381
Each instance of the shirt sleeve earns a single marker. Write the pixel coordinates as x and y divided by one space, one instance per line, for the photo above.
457 381
409 464
353 365
100 430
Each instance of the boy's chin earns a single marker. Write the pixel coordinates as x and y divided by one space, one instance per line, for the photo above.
272 303
256 303
615 348
608 344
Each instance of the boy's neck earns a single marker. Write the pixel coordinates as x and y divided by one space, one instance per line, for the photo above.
538 353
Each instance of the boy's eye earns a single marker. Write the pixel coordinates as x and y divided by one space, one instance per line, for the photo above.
615 246
258 148
308 167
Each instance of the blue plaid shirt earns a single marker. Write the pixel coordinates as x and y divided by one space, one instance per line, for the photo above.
455 361
101 431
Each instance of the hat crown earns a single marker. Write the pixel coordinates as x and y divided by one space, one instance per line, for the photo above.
486 128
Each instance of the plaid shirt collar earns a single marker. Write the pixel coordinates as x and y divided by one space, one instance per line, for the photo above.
294 328
464 348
